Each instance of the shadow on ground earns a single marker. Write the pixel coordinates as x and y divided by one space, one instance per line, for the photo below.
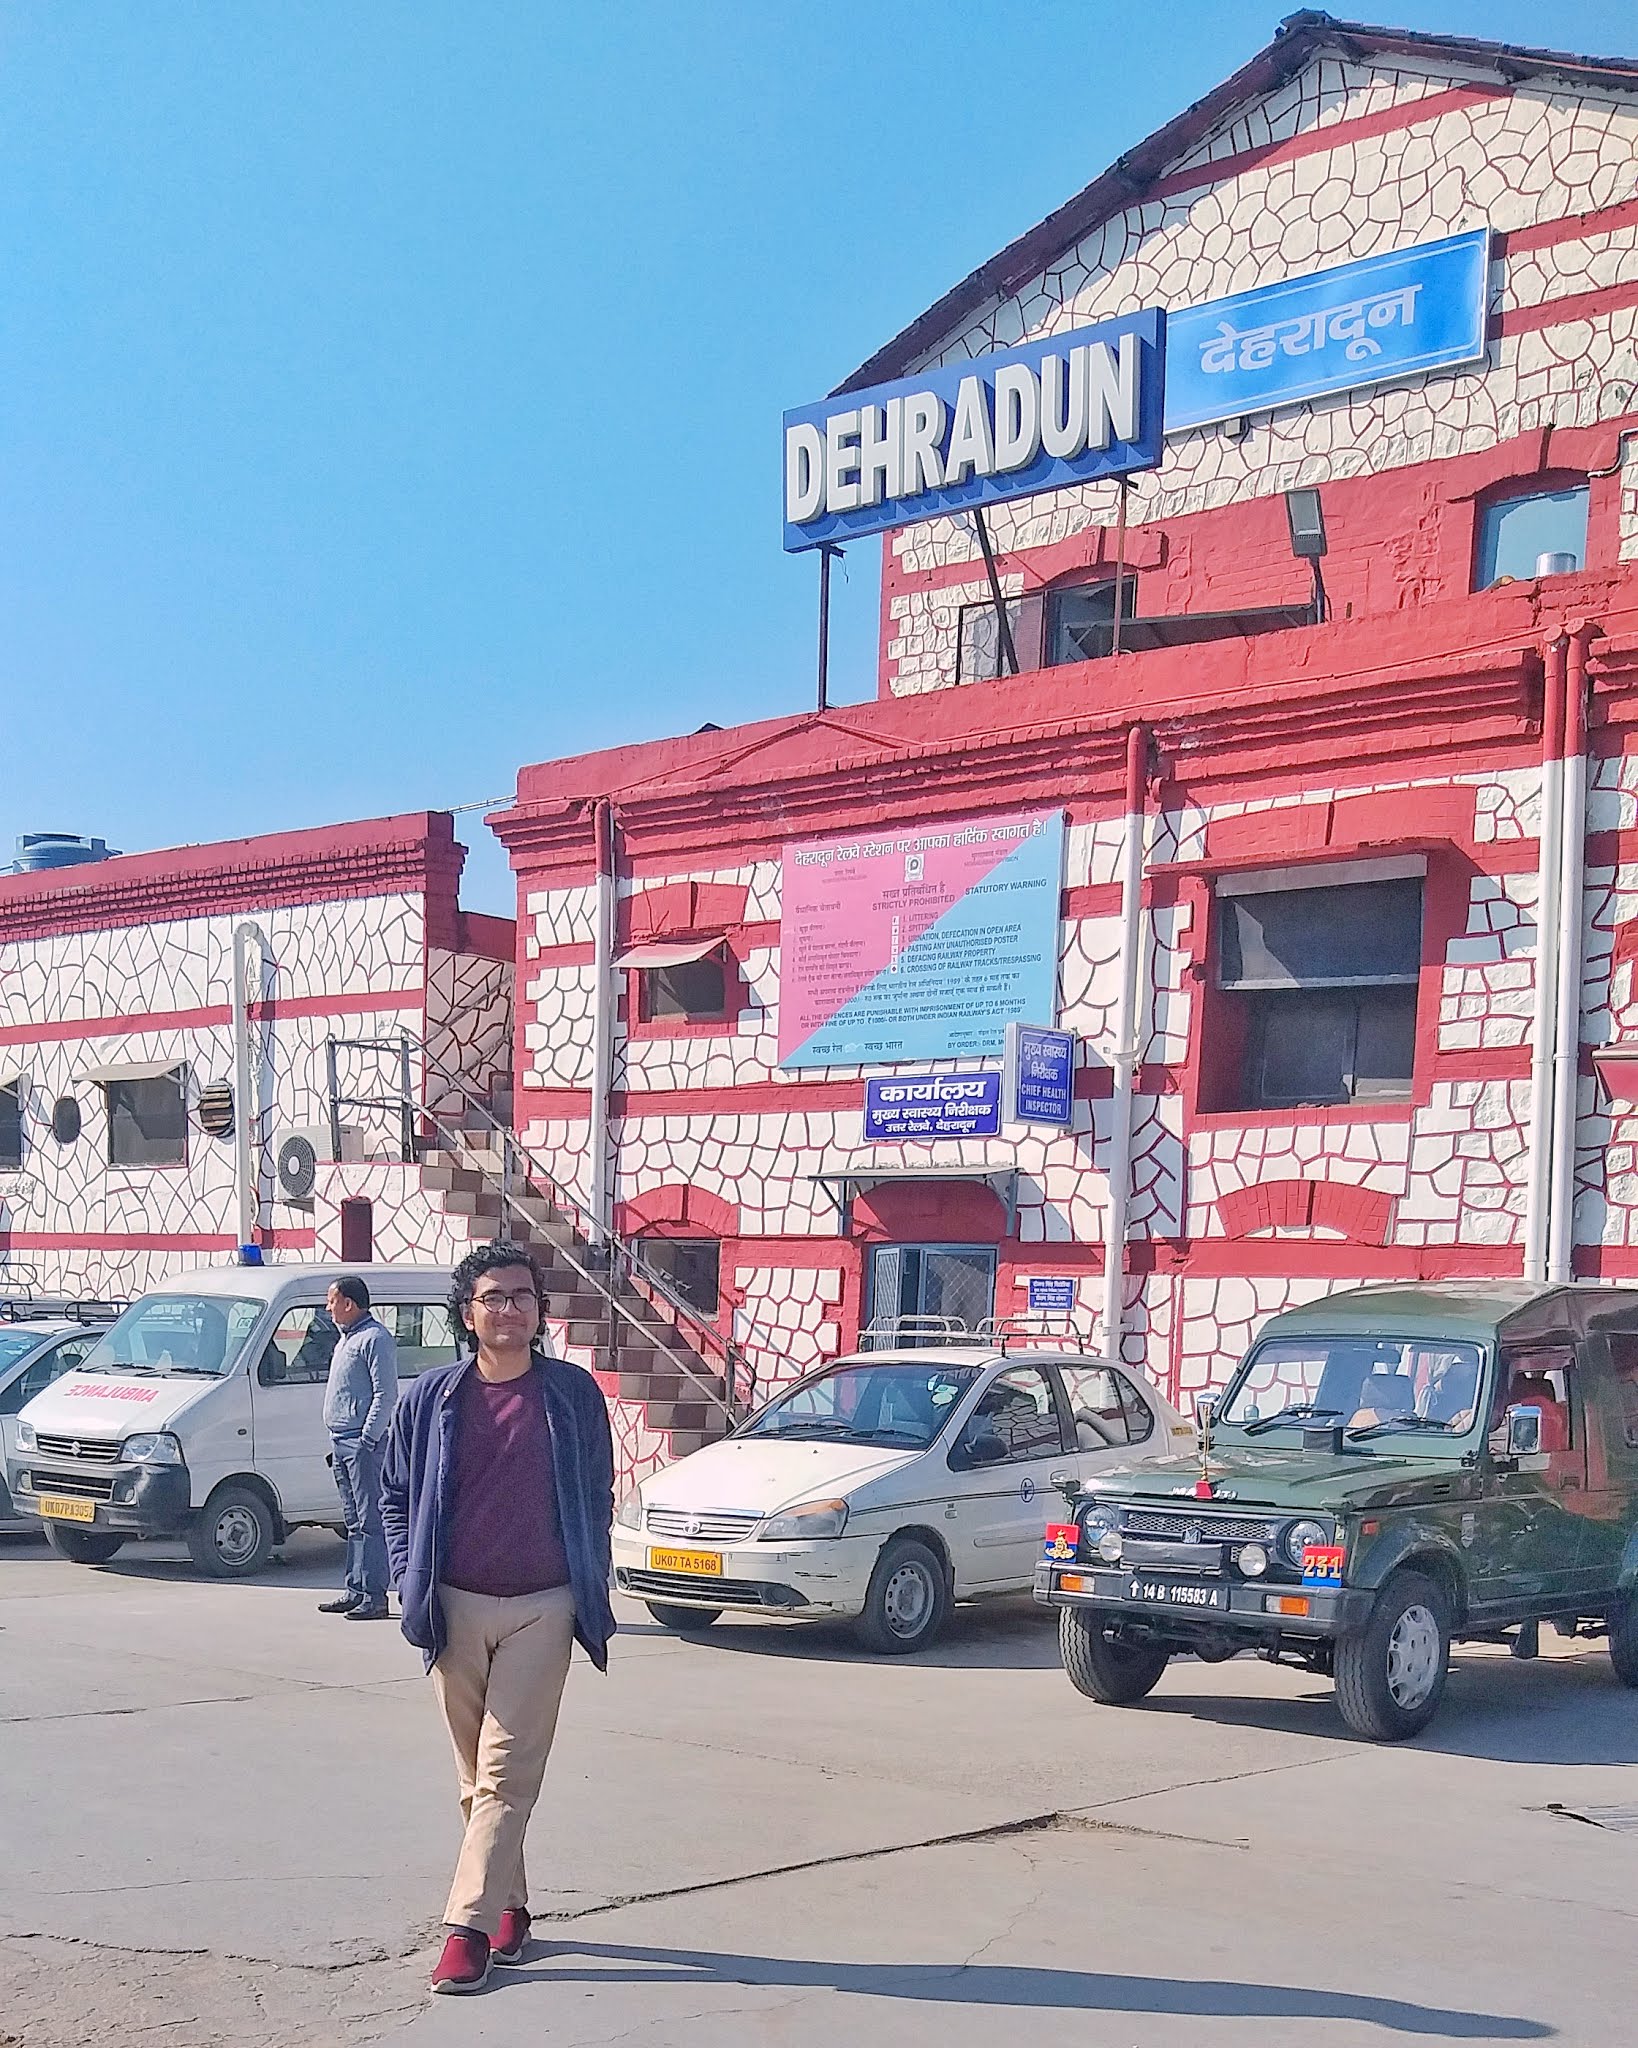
1019 1987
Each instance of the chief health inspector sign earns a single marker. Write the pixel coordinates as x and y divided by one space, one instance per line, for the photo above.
1068 409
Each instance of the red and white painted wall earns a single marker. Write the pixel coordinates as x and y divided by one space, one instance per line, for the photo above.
1419 731
124 968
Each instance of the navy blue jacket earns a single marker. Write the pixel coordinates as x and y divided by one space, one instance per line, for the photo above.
418 1472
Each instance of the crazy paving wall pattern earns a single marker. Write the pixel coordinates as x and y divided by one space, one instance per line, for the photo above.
1447 1169
1521 158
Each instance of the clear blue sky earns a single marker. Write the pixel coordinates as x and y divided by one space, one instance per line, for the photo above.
389 392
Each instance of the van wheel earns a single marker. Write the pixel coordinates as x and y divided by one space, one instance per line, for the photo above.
908 1599
1390 1674
687 1621
1624 1639
232 1535
83 1546
1113 1673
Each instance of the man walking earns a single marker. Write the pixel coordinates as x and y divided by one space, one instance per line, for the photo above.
358 1405
498 1496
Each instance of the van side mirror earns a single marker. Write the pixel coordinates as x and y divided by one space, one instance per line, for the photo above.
1205 1413
1523 1431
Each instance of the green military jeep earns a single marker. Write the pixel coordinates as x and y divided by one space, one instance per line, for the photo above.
1387 1471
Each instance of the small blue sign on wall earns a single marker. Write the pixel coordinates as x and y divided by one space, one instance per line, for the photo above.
1051 1295
1335 330
1038 1077
932 1106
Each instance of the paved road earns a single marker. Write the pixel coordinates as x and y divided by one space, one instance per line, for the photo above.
224 1817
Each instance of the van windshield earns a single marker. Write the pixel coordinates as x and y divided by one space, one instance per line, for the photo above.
898 1404
176 1333
1372 1386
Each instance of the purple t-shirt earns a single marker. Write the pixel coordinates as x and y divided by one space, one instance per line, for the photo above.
504 1536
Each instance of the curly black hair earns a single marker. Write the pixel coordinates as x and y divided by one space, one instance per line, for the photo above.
487 1258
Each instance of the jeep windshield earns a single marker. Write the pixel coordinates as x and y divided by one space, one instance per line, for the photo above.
176 1333
1408 1388
895 1404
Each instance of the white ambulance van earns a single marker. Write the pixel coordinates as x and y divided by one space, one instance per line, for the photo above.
200 1413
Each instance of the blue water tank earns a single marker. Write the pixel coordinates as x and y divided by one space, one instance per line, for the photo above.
59 850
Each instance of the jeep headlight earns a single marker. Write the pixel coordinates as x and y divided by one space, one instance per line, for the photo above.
630 1515
1299 1535
1097 1523
26 1440
158 1447
812 1520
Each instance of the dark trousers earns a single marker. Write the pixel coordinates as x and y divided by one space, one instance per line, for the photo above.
357 1466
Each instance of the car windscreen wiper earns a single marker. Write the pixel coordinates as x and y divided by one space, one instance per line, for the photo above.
203 1372
1305 1411
811 1427
1399 1422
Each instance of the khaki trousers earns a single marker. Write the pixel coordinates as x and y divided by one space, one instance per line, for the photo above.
499 1682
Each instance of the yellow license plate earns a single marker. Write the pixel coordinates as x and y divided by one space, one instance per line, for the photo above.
61 1510
704 1564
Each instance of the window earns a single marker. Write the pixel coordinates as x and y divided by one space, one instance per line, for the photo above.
11 1127
1321 991
422 1333
147 1121
1540 1379
1080 620
955 1282
298 1352
1624 1364
689 1267
1016 1410
693 990
1106 1409
980 657
179 1333
905 1406
39 1374
1515 532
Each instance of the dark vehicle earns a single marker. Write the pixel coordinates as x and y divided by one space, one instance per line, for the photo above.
1388 1471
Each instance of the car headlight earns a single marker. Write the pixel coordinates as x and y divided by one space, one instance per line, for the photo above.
1299 1535
1252 1559
1097 1523
805 1523
26 1439
630 1515
155 1448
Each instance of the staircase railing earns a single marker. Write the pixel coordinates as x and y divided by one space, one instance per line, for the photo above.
605 1262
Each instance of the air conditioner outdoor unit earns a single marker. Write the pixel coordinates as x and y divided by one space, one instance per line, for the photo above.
298 1150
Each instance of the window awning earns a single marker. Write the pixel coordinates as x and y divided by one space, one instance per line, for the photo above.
843 1183
668 952
131 1070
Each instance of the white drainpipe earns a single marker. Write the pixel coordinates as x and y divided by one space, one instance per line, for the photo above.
1567 1043
603 1000
1544 1032
246 1118
1127 1046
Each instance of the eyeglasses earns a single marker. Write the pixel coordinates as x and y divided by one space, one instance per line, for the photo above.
494 1301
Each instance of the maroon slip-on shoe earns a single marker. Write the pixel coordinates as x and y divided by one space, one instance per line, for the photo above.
511 1937
464 1964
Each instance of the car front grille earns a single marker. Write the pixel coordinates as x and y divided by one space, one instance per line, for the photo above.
708 1592
77 1485
703 1525
1187 1528
89 1450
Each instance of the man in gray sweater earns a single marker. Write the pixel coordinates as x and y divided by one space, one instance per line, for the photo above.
358 1405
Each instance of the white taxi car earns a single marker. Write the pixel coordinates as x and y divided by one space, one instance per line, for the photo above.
885 1486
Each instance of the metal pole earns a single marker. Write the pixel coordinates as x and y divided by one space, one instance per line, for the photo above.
602 1045
1128 1046
1544 1031
246 1119
1003 624
406 1099
828 552
1571 912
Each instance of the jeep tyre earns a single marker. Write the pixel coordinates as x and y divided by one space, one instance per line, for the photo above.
1624 1638
1113 1673
232 1535
83 1546
908 1599
1390 1675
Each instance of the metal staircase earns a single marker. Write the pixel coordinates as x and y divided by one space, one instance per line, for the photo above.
646 1343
